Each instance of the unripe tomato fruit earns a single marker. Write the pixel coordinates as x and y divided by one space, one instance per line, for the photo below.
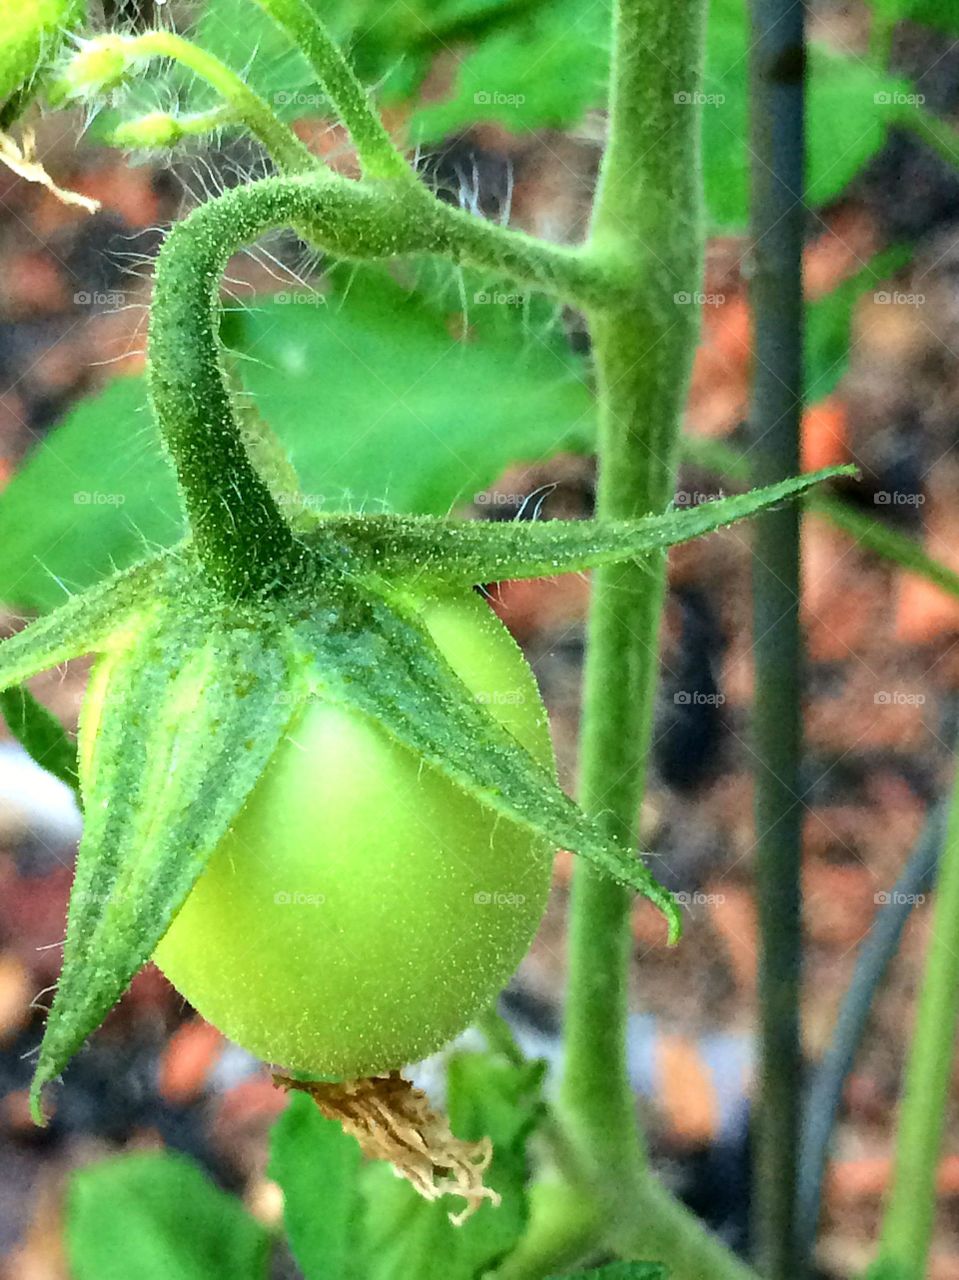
364 909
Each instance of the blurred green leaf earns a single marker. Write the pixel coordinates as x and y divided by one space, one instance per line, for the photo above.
317 1167
157 1217
546 68
381 396
40 734
845 121
407 1236
943 14
829 321
879 538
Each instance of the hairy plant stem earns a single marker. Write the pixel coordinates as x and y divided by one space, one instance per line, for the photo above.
910 1212
778 224
647 226
647 221
239 534
379 158
247 107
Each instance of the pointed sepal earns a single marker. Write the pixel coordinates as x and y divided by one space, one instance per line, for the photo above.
41 735
194 708
469 552
376 657
86 622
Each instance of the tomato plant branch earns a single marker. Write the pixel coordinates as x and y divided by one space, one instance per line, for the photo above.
379 157
101 63
647 222
191 397
910 1213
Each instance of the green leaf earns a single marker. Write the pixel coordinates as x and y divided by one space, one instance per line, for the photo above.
942 14
623 1271
382 662
197 704
157 1217
406 1236
40 734
84 624
473 552
845 111
373 392
317 1167
829 322
96 495
847 116
545 69
886 542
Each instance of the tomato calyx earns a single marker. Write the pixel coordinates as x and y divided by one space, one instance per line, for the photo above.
203 686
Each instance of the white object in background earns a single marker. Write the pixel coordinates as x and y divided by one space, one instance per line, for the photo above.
34 802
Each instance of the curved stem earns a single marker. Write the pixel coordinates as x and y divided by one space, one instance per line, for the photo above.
238 531
379 158
647 226
910 1213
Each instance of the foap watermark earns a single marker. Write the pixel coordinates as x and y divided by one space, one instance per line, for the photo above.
496 499
897 298
898 498
496 98
501 697
894 898
295 98
494 298
698 899
294 898
86 498
695 497
299 298
697 698
695 98
698 299
896 98
898 698
300 501
97 298
494 898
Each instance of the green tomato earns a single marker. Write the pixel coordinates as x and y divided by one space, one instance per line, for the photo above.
363 909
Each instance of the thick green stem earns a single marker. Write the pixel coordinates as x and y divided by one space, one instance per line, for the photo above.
647 225
379 158
908 1222
778 224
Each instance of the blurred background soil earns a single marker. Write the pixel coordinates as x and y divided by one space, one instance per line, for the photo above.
882 673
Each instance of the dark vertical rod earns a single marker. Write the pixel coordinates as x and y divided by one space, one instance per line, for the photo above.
777 224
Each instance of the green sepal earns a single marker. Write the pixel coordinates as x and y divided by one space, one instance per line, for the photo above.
375 657
40 734
198 701
469 552
86 622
